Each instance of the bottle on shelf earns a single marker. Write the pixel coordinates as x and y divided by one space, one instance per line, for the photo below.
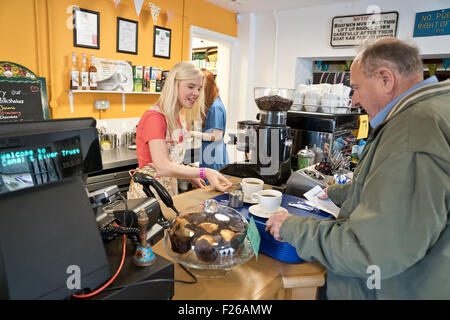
92 74
74 73
84 74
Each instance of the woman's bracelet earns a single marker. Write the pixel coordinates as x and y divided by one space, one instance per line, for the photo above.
202 173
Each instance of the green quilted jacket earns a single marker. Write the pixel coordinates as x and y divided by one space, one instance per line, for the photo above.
392 237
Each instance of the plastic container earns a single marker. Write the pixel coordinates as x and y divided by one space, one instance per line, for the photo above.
274 99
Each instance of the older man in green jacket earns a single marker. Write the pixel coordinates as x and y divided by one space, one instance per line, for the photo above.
392 238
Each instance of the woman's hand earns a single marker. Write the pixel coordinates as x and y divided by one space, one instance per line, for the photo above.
198 183
217 181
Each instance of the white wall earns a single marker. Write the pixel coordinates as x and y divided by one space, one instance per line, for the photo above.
305 33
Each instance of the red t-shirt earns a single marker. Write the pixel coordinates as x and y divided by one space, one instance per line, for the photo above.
152 125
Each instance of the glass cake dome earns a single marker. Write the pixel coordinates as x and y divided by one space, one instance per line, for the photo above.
209 237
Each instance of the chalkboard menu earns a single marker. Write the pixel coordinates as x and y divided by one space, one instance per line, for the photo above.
23 95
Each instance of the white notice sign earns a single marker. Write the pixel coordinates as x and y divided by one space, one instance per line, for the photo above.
353 30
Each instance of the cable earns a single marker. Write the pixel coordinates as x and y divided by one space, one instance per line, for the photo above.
157 280
93 293
131 232
124 200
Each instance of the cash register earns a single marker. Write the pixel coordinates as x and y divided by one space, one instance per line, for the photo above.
51 226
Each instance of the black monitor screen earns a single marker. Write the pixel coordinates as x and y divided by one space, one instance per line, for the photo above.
35 153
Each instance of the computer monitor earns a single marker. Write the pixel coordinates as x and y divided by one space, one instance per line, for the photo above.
47 224
39 152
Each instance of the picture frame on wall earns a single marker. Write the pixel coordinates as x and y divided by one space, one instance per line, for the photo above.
161 42
127 36
86 28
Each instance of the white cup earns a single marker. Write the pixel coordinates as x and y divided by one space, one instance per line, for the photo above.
269 200
312 95
337 88
299 97
346 91
324 87
327 109
302 88
250 186
345 101
311 108
330 96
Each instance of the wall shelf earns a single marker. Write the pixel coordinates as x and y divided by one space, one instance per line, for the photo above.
123 93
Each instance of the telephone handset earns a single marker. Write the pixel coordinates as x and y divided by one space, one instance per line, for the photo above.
146 181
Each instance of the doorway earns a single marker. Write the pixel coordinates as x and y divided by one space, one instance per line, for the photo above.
217 52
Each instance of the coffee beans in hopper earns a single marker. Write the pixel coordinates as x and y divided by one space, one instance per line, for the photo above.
273 103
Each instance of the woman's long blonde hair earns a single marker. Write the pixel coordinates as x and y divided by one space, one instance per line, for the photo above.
169 95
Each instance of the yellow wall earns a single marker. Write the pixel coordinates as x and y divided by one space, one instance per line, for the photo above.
35 34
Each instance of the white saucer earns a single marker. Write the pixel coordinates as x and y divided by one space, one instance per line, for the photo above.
256 211
250 200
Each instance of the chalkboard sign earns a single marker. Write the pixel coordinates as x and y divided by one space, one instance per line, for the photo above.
23 95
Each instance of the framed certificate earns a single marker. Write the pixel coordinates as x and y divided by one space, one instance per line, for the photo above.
161 42
86 28
127 36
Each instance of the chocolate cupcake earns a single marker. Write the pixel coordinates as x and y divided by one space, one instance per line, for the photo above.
181 239
236 225
231 239
206 248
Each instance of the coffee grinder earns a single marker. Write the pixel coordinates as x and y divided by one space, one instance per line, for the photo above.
267 144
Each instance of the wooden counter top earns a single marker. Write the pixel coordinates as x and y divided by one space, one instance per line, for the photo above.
266 278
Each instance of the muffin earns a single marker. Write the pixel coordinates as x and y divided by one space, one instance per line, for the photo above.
209 227
206 248
181 235
231 239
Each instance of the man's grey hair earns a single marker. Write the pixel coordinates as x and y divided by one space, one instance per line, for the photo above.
391 53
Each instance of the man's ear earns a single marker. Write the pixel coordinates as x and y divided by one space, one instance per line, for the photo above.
387 78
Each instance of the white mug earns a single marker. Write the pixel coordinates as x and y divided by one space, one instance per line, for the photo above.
250 186
269 200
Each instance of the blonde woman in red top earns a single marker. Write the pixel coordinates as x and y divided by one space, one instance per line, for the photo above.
161 137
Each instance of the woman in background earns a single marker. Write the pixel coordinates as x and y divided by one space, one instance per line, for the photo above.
214 152
161 137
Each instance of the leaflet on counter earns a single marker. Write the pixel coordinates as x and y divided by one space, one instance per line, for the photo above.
324 205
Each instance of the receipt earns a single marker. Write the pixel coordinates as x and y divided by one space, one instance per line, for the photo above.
324 205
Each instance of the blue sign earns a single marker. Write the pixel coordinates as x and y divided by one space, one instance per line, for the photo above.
432 23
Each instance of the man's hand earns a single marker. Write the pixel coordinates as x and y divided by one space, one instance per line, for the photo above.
273 224
324 196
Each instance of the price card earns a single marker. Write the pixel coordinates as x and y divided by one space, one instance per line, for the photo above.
363 130
253 236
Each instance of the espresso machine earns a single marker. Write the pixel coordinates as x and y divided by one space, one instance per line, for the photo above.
267 143
333 134
322 130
